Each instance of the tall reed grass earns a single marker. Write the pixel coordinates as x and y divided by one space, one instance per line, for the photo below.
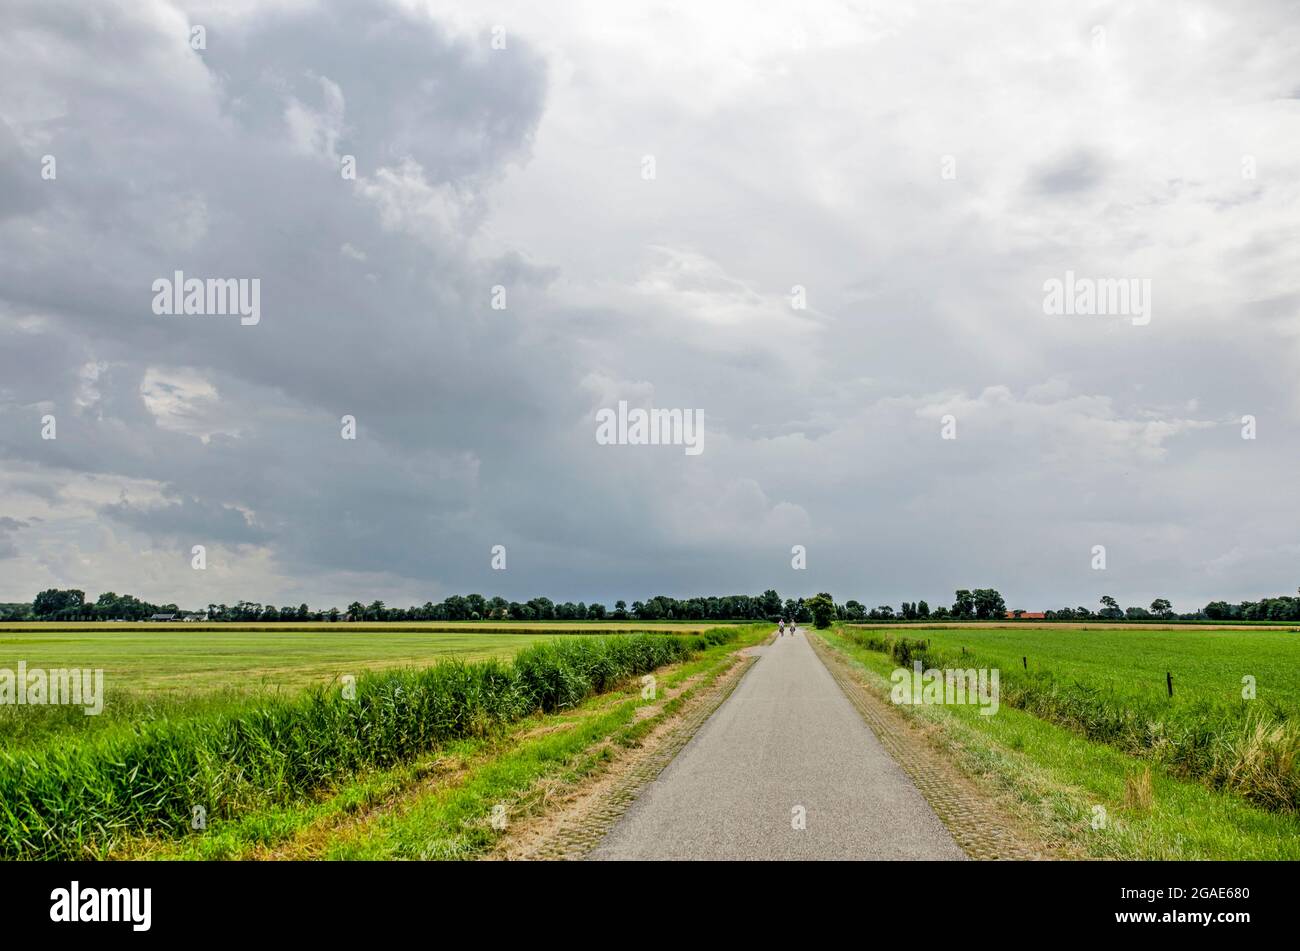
77 798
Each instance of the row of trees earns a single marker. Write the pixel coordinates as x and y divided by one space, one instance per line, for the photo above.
15 611
986 604
1110 611
476 607
979 604
71 605
1283 608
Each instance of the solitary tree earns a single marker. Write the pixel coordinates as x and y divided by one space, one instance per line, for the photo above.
822 607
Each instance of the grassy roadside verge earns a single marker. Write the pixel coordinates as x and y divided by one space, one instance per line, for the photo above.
80 799
1249 748
1065 785
441 805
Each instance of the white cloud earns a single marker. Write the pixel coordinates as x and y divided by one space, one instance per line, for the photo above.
183 401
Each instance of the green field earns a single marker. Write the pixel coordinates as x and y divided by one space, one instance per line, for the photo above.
157 671
74 786
189 660
171 662
1207 664
1088 723
1058 778
439 805
476 627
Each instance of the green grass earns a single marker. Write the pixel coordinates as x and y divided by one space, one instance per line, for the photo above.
158 673
186 661
440 807
479 627
1206 664
80 797
1250 746
1060 776
455 823
154 671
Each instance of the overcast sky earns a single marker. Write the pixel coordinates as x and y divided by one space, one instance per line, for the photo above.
921 170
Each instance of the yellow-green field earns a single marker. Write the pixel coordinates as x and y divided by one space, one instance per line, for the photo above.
191 659
480 627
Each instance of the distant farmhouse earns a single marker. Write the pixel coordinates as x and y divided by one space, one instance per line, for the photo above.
163 617
178 617
1026 616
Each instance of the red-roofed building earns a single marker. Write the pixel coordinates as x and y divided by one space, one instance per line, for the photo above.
1025 615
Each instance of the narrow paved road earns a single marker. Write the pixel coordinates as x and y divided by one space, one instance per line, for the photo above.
786 743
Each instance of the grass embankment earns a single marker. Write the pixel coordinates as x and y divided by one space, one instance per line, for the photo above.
441 805
84 798
1097 798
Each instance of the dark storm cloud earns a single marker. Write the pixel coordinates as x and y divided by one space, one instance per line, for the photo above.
187 520
199 161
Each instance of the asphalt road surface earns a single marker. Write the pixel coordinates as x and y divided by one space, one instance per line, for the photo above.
786 748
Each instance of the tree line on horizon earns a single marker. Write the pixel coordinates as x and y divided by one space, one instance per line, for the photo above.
71 605
978 604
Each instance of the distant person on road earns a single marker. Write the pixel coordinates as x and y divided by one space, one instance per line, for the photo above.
780 627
